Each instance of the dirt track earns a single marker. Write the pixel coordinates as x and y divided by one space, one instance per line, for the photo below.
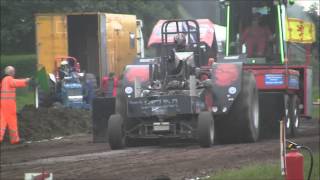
76 157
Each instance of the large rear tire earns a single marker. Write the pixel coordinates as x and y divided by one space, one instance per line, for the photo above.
242 124
116 132
205 129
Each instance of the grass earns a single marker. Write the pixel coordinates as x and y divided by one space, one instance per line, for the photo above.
25 67
25 64
266 171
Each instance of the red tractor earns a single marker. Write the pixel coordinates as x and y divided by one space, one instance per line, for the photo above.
239 97
182 94
280 62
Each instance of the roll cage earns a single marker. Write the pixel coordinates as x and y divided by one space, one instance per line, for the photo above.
191 30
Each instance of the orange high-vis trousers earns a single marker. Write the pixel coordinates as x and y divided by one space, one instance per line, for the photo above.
8 109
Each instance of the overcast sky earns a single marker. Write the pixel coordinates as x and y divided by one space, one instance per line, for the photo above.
307 3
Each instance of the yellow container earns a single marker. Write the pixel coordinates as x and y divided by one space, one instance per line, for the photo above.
101 42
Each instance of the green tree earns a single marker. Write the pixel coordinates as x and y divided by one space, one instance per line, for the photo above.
313 13
17 16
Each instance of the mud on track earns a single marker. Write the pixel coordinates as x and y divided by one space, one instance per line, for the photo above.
76 157
44 123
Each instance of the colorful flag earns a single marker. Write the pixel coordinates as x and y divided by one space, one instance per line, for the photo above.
42 79
300 31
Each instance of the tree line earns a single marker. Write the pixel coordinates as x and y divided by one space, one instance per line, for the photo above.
18 22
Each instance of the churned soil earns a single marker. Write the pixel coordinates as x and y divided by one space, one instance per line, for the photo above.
46 123
77 157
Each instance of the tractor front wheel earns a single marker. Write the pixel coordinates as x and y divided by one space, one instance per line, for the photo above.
205 129
294 114
116 132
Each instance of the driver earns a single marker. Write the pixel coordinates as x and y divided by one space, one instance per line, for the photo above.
64 69
181 42
256 38
180 46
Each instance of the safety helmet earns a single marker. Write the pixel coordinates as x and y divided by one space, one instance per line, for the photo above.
64 62
64 65
180 39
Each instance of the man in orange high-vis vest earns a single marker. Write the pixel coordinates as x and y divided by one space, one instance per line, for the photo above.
8 112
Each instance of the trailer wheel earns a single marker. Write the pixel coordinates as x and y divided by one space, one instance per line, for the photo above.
116 132
287 115
294 114
205 129
242 124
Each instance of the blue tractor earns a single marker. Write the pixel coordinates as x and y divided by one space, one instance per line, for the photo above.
69 86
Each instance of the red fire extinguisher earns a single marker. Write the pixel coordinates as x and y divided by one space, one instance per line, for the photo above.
294 165
294 162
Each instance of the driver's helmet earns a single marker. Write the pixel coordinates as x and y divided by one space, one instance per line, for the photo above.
180 40
64 66
64 62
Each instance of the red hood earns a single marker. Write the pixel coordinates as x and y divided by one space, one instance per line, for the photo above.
140 71
206 32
